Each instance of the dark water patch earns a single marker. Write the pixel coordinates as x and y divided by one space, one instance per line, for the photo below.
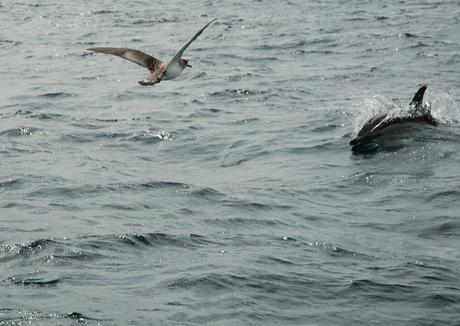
418 45
65 206
208 194
90 34
87 54
56 95
85 191
200 75
48 116
110 120
164 184
232 160
447 229
89 190
442 197
163 240
301 52
325 128
211 284
123 242
441 299
270 260
382 291
336 251
356 19
260 59
245 121
84 138
286 46
21 112
203 113
244 222
252 206
11 42
104 12
410 35
120 207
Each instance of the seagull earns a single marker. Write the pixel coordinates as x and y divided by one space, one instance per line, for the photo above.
158 69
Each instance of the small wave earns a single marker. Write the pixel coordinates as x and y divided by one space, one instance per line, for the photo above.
207 194
13 43
442 299
356 19
24 316
56 95
34 282
103 12
448 195
448 229
164 184
10 183
139 241
245 121
18 132
149 137
370 287
81 138
152 20
244 223
238 92
208 283
269 260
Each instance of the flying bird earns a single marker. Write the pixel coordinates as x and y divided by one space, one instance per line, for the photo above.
158 69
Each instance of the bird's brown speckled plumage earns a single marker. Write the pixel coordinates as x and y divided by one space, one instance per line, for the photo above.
158 69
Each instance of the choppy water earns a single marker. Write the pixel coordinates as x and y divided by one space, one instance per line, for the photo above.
228 196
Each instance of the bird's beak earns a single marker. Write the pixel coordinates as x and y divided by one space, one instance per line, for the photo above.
189 65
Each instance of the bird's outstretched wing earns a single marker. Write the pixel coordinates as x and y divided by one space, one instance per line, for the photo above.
135 56
179 53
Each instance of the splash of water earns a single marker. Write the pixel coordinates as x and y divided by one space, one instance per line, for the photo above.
443 106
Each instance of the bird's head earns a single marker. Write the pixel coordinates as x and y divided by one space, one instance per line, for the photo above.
184 63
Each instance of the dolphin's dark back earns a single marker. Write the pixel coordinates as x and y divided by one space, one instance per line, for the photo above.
367 128
376 125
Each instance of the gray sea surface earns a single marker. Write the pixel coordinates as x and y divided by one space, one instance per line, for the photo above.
229 195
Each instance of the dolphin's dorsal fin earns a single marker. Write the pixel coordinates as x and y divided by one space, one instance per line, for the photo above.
417 101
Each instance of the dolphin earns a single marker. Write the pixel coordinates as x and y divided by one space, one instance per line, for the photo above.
385 123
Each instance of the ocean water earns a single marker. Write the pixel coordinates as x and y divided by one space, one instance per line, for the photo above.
230 195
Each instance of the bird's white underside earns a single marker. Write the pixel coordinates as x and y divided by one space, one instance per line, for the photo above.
173 70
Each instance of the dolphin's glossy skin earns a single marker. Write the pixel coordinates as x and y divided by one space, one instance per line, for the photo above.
383 123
